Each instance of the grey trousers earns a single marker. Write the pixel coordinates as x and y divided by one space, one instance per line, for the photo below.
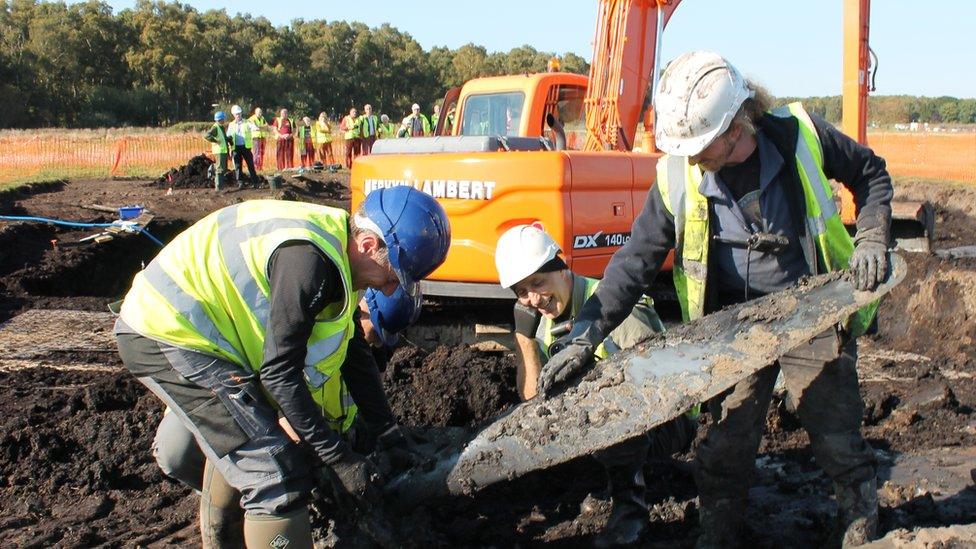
232 422
821 381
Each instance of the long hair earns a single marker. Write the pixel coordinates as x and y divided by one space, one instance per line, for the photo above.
752 109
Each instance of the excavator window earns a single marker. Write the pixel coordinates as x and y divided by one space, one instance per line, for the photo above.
569 110
492 114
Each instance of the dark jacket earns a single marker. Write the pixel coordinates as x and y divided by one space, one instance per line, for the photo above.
633 268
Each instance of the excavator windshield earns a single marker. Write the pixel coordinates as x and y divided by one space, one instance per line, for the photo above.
492 113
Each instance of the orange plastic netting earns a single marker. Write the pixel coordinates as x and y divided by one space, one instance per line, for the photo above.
927 155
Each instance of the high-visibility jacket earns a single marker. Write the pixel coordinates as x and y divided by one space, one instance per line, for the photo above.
351 126
433 121
304 132
425 124
245 128
207 291
220 145
678 182
386 130
278 121
322 133
261 123
364 124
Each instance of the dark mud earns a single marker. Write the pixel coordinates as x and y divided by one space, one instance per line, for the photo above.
76 468
462 387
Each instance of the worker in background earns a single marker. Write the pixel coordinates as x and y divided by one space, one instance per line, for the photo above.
417 122
351 135
323 139
284 131
241 132
179 456
219 147
387 129
251 309
370 124
435 117
306 144
735 175
259 137
549 297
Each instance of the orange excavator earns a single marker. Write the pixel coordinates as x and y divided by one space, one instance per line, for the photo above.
559 149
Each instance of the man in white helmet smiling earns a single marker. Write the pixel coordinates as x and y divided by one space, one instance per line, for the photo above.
743 196
549 296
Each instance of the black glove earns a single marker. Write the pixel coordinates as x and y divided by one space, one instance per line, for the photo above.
355 482
869 264
397 450
570 356
352 475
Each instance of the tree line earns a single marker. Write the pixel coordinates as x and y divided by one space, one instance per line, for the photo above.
82 65
159 63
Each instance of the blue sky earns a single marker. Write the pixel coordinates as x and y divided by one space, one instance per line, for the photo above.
791 46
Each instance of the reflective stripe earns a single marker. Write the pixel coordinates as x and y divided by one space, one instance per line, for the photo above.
828 208
191 309
233 236
323 348
315 378
816 225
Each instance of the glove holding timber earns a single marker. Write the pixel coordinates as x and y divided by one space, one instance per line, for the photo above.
571 355
397 450
869 264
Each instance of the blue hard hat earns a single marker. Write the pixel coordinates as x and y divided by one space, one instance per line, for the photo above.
415 229
391 314
219 116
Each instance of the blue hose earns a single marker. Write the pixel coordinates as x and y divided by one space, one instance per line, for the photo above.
54 221
151 237
77 224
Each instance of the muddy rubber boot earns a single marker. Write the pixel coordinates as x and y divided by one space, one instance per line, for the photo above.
857 515
221 516
628 513
720 523
291 531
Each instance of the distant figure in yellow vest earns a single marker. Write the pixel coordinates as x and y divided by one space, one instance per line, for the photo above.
219 147
284 128
387 129
323 139
370 124
250 313
241 132
260 137
417 122
743 195
351 135
306 142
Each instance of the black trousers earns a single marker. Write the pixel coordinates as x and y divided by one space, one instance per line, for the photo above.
242 152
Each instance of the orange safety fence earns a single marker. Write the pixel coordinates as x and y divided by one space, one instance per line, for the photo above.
928 155
50 155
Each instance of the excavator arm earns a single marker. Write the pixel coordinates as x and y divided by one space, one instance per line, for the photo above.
626 52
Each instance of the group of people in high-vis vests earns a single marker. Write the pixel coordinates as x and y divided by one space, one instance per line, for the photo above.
245 325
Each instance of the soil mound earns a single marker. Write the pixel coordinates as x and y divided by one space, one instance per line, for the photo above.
192 175
932 312
451 386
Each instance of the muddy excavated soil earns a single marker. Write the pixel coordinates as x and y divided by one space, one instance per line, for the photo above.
76 468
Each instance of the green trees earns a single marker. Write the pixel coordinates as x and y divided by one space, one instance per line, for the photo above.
163 62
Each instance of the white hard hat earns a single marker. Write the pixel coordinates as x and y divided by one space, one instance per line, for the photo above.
415 107
521 251
698 96
236 109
